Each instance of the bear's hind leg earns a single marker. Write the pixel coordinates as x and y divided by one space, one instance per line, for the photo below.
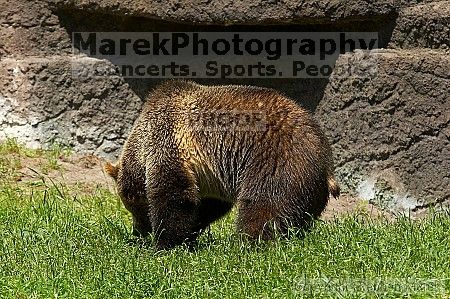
256 219
264 219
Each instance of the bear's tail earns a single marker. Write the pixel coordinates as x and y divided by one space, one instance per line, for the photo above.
111 169
333 186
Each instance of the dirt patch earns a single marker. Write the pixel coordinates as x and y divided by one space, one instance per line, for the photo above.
347 204
76 170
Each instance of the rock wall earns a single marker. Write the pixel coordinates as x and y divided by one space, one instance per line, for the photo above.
390 132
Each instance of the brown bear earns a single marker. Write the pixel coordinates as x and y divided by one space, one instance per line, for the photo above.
195 151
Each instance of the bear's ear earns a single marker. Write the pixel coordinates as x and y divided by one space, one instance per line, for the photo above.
111 169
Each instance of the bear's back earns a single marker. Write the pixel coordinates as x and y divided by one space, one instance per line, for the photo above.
226 134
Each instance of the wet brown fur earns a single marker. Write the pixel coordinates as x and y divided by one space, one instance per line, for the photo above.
176 178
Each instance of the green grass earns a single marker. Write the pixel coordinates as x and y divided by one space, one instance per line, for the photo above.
11 152
54 243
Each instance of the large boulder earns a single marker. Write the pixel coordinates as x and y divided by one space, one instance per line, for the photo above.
230 12
425 26
390 129
42 102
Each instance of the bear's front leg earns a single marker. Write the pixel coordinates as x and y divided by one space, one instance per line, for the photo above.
142 226
173 204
